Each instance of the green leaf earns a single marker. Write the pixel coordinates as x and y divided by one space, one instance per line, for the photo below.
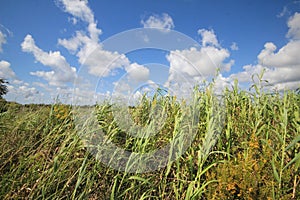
275 170
112 194
189 191
295 159
200 190
139 179
295 141
55 164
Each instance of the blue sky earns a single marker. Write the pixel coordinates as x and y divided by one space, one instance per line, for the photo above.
46 45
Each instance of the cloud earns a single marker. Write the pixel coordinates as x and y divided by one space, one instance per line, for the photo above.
73 43
78 8
208 38
294 27
194 64
234 46
61 73
94 31
122 87
17 82
287 56
101 63
5 71
137 72
73 20
90 54
2 40
278 78
98 62
163 21
282 66
283 12
23 92
82 44
220 83
89 51
128 86
86 46
28 91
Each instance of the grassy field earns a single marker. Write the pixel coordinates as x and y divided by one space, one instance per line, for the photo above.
256 154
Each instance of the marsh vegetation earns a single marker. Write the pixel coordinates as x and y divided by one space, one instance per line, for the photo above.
256 154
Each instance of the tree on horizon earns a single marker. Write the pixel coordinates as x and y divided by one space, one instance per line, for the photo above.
3 87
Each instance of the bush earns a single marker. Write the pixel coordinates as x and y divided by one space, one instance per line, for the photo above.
3 105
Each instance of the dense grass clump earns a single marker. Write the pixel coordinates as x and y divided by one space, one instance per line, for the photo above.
253 153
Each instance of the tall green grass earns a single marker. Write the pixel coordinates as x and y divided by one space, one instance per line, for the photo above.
250 152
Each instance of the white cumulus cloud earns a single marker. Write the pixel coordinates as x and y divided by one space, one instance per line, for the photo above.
23 92
294 26
27 92
95 60
75 42
287 56
163 21
194 65
125 88
5 71
137 72
281 66
82 43
101 63
79 9
87 47
208 37
61 72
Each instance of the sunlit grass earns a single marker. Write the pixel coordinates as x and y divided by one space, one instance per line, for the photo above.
254 154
